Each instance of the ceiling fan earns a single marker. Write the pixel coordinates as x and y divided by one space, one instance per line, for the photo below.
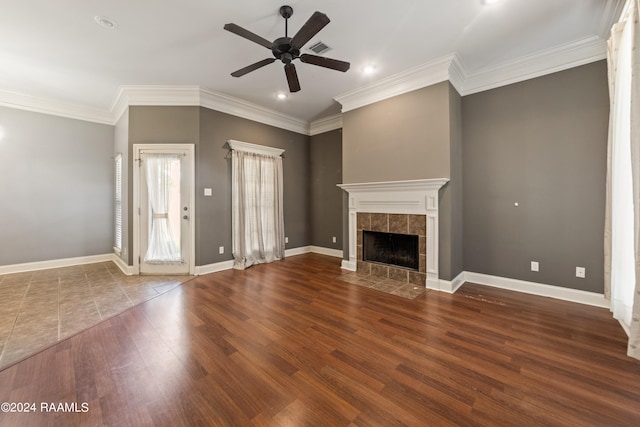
287 49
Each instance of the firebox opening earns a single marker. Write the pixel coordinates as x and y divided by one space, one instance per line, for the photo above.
391 248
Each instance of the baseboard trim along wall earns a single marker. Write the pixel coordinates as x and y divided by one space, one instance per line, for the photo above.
129 270
214 268
55 263
226 265
533 288
336 253
448 286
540 289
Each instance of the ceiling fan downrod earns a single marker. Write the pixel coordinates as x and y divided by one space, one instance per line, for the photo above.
286 12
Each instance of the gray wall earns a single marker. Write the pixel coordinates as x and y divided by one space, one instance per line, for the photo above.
160 125
209 130
326 201
214 171
541 143
451 201
416 135
57 187
400 138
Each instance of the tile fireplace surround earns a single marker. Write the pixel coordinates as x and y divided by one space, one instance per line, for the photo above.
390 205
393 223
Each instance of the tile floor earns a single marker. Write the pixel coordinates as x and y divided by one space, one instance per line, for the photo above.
390 286
39 308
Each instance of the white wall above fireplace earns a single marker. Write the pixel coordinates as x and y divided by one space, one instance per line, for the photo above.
397 197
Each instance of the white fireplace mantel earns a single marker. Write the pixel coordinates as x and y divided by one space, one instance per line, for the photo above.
418 197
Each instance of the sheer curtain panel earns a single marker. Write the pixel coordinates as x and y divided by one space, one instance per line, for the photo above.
164 240
622 212
257 212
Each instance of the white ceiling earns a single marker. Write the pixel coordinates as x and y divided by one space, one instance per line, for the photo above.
55 50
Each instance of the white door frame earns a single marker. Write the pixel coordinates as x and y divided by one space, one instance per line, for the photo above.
137 148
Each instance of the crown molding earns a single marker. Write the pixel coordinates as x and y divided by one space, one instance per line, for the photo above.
196 96
415 78
54 107
240 108
457 73
612 11
325 124
450 67
151 95
563 57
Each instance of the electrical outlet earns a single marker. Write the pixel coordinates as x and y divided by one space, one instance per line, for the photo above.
286 240
580 272
334 239
221 250
535 266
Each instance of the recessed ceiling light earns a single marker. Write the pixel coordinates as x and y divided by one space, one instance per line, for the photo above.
491 1
105 22
369 69
281 96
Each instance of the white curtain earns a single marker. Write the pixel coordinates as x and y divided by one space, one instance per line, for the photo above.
257 213
162 171
622 218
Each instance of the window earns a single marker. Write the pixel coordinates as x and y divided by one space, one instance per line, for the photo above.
118 204
257 204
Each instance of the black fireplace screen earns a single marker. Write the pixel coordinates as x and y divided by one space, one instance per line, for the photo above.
390 248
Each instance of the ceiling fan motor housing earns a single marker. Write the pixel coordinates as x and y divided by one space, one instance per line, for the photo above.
283 50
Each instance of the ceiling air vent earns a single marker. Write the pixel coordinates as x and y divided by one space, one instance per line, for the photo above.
319 48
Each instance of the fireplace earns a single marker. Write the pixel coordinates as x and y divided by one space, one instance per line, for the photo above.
400 207
388 231
400 250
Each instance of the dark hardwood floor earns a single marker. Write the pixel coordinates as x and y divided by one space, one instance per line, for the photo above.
291 344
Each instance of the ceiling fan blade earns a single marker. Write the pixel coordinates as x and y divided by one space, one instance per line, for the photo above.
236 29
321 61
317 22
242 71
292 77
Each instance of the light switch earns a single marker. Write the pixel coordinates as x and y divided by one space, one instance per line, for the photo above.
207 192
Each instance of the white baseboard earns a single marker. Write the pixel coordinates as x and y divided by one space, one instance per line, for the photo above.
56 263
214 268
448 286
129 270
297 251
337 253
540 289
348 265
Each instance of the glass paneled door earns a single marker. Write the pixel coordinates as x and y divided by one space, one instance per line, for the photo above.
165 220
